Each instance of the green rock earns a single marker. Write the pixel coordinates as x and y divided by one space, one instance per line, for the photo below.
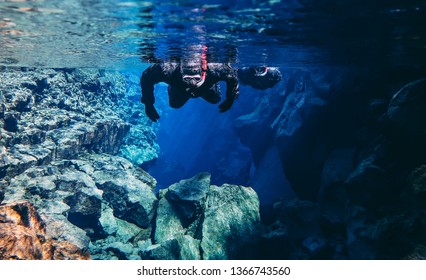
231 219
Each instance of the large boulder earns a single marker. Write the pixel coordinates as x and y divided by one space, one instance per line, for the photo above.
173 239
197 220
23 236
294 233
180 216
231 222
189 196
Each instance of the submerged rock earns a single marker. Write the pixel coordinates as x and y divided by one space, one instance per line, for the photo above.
97 197
231 221
417 182
188 196
140 145
406 109
61 113
196 220
23 236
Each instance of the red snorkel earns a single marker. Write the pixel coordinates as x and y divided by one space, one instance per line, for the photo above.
204 63
193 77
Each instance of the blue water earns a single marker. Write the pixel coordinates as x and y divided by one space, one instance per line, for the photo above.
294 35
129 34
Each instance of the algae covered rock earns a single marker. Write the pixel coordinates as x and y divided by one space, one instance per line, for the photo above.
231 220
188 196
23 236
196 220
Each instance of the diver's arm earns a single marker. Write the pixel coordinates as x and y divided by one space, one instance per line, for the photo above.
151 76
232 91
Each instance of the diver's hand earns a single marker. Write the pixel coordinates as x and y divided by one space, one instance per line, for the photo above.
151 112
226 105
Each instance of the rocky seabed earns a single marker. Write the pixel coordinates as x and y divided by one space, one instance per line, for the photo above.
352 156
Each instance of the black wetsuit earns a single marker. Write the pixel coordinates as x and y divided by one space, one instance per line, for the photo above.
269 77
179 92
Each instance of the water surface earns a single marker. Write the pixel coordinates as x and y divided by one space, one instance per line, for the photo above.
129 34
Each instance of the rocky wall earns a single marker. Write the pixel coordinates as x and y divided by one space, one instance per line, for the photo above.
351 145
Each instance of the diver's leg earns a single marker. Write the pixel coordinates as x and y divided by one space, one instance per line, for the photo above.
213 95
177 98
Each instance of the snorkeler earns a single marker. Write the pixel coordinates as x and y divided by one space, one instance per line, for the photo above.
189 79
259 77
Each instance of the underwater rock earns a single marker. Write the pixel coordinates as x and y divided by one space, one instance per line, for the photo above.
291 120
180 247
338 167
343 149
188 196
301 217
130 198
2 110
172 239
417 181
140 143
23 236
333 195
374 177
125 240
256 132
207 222
167 224
168 250
20 100
418 253
50 121
172 226
2 184
179 217
314 244
75 201
299 133
140 146
2 105
85 211
11 121
406 109
295 233
66 111
103 137
56 125
231 221
393 236
254 129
